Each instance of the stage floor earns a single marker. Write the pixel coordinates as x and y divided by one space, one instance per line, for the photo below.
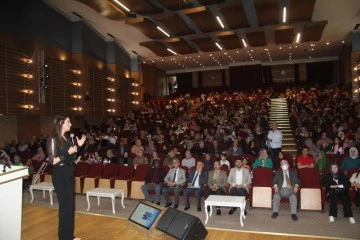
40 220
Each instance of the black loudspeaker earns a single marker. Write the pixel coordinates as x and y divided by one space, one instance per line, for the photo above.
181 225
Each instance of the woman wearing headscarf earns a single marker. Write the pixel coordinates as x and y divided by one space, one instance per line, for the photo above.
321 162
352 161
337 187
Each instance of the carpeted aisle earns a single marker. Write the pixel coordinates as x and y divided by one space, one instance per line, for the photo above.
314 223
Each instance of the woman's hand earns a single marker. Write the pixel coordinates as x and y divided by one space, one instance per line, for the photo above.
81 141
72 150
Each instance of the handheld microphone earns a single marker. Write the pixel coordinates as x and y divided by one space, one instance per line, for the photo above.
72 136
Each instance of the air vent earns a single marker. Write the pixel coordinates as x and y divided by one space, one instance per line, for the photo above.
78 15
356 26
135 52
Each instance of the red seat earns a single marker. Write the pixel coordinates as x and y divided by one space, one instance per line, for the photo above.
138 180
91 181
260 192
109 175
311 194
81 171
123 178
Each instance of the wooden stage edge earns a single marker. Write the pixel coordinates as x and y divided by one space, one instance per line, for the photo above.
41 223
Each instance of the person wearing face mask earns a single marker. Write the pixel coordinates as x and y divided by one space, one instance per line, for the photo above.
337 187
286 185
353 161
239 180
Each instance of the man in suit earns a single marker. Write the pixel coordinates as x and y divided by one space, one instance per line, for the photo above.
216 183
239 180
195 184
286 185
174 181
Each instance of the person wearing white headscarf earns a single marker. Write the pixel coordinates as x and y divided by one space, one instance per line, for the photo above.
353 161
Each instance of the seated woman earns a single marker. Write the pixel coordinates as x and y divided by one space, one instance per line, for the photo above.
352 161
235 149
337 187
252 149
154 156
125 159
322 162
263 160
355 182
224 161
110 157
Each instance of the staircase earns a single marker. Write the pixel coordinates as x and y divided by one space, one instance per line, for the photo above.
279 113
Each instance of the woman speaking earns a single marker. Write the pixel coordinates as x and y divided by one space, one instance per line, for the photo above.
62 153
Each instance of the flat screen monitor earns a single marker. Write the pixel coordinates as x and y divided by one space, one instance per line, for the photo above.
144 215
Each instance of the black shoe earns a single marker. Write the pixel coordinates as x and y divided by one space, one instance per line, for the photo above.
218 212
294 217
158 203
208 208
245 212
176 206
274 215
232 210
186 208
199 209
168 204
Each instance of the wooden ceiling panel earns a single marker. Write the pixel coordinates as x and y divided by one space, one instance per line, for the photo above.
313 31
284 35
235 16
267 12
176 5
203 19
210 2
157 48
147 27
175 24
205 44
301 11
256 39
180 46
105 8
229 40
141 7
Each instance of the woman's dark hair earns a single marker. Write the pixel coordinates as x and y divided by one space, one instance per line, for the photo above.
56 128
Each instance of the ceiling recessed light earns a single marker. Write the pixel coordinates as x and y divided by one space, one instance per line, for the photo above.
280 48
219 21
163 31
243 40
343 42
327 43
298 37
284 15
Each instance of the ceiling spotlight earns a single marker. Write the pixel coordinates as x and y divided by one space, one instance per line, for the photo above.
163 31
243 40
284 14
218 45
122 5
219 20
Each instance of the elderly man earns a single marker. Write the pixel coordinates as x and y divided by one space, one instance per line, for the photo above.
286 185
216 183
174 180
195 184
274 139
239 180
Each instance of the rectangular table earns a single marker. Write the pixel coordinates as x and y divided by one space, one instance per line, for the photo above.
225 201
105 192
44 186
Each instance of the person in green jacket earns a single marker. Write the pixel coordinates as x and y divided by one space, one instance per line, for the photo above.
263 160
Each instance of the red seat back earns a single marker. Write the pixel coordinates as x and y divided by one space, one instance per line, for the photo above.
96 170
110 170
81 169
125 172
262 177
141 172
351 171
309 177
